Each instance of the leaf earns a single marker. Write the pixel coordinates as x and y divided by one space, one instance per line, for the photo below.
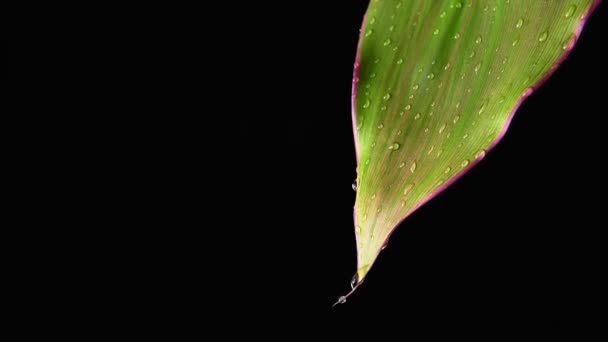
436 84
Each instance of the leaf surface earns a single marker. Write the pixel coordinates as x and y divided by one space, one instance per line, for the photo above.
436 84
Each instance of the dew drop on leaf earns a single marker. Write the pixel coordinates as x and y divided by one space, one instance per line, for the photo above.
570 11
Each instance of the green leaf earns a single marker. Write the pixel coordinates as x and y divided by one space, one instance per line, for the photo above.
435 86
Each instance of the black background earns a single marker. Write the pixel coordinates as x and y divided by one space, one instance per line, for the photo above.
516 239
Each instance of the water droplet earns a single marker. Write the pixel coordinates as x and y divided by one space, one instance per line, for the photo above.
519 23
446 66
457 35
543 36
480 154
436 32
441 129
430 149
401 165
394 147
398 4
377 60
478 40
358 229
430 76
442 15
387 96
400 61
380 126
413 167
515 42
408 107
458 5
366 103
417 116
367 162
383 108
504 60
387 42
354 185
456 118
353 281
374 196
464 163
447 169
408 188
372 75
402 204
401 114
466 135
570 11
341 300
472 54
477 67
482 108
415 87
372 21
569 42
369 32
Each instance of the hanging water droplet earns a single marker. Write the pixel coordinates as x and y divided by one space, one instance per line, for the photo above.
408 188
380 126
369 32
341 300
394 147
430 76
400 61
436 32
353 281
543 36
387 42
354 185
478 39
417 116
519 23
413 167
464 163
366 103
387 96
570 11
